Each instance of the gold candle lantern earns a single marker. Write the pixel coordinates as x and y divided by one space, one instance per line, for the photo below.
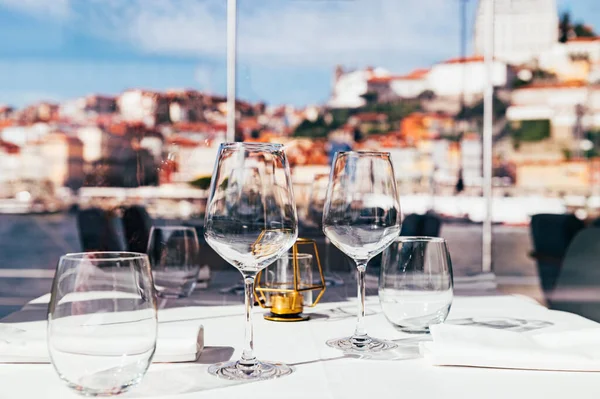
287 285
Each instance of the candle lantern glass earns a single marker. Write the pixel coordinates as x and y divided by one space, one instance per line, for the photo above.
286 286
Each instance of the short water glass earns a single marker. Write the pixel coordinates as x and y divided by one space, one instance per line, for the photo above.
415 287
174 258
102 321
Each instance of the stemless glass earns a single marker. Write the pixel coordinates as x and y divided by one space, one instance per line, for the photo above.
102 321
415 287
174 257
250 222
361 218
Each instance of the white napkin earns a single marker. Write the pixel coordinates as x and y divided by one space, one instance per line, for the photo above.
26 343
548 341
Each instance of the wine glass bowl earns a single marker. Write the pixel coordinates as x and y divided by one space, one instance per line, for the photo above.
174 255
250 222
361 217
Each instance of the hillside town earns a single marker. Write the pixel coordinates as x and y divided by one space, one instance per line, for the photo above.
546 125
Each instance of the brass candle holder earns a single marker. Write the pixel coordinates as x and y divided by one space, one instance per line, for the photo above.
287 285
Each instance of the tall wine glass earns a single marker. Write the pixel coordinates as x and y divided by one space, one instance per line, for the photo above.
361 218
250 222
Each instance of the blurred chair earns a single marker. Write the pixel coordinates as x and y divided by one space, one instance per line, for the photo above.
412 225
432 225
427 225
577 287
551 235
136 224
98 231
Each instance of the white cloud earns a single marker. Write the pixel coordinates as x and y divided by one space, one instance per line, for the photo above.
42 8
299 32
280 32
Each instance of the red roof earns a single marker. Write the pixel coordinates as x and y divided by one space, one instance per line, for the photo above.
370 117
183 142
379 79
9 148
572 84
464 60
584 39
193 126
417 74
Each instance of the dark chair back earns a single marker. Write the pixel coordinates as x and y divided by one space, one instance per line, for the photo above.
577 287
98 231
551 235
412 225
432 225
137 224
427 225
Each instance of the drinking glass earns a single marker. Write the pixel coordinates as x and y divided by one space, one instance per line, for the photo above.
415 287
102 321
251 221
174 258
361 218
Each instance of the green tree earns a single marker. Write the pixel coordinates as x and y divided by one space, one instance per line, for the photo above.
316 129
530 131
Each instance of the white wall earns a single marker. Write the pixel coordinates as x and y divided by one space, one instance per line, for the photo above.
450 79
409 88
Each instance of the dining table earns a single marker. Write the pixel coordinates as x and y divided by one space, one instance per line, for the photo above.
318 370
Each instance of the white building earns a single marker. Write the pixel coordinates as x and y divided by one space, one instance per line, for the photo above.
471 150
557 102
21 135
349 87
466 75
523 29
411 85
92 139
143 106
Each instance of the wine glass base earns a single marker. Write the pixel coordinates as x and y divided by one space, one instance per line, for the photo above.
361 345
260 371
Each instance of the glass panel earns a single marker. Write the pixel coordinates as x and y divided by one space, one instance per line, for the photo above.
104 105
372 75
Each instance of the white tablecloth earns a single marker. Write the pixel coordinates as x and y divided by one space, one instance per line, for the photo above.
322 372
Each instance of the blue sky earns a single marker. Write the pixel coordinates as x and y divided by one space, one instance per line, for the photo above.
60 49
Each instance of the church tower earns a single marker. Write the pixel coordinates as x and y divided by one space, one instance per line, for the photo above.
523 29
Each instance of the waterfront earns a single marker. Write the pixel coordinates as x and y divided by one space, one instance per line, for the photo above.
30 246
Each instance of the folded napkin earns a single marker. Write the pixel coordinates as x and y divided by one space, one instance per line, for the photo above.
549 341
26 343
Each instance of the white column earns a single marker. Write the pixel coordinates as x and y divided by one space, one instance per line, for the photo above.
231 67
486 266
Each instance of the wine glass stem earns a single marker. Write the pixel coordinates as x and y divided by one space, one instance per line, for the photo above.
360 331
248 359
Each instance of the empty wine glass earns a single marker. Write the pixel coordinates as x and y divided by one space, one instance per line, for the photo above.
361 218
251 221
174 258
102 321
415 286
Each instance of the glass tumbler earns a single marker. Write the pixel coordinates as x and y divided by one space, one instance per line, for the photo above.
174 258
102 321
415 287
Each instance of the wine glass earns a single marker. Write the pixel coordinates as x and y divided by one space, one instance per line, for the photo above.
250 222
361 218
102 321
415 287
174 257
